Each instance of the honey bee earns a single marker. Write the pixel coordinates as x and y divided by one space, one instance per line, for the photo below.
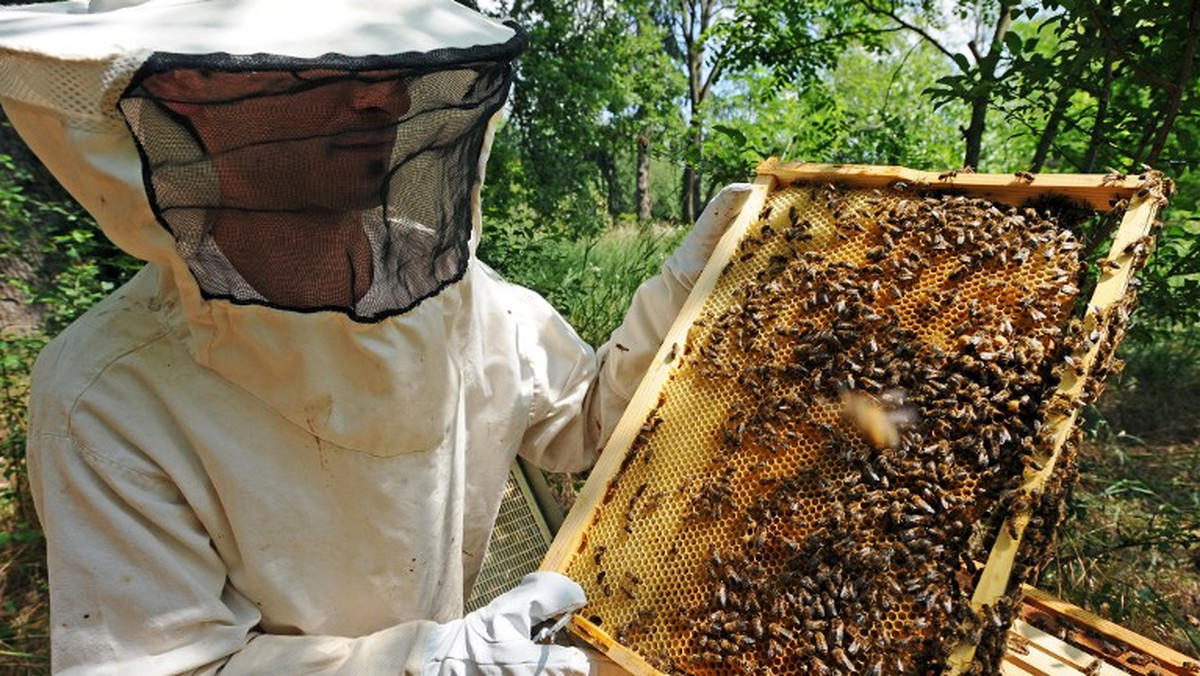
1024 176
1139 246
820 642
709 657
774 649
633 501
843 660
878 425
670 357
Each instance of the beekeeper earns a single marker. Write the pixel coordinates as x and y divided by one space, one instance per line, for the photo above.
281 447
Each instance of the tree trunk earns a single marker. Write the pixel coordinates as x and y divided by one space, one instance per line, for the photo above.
1050 131
1148 135
687 207
612 191
697 17
690 190
691 176
642 188
980 99
973 134
1182 79
1097 135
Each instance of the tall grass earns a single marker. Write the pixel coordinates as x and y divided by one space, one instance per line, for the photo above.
592 279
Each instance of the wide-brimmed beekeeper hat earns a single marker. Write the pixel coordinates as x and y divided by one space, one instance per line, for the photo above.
81 81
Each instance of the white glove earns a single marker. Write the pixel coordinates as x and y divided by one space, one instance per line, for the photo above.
497 639
689 259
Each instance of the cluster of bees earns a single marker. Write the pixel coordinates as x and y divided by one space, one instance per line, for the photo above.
886 361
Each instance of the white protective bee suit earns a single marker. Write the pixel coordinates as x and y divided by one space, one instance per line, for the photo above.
258 456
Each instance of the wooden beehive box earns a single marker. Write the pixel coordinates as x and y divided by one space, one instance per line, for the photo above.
873 385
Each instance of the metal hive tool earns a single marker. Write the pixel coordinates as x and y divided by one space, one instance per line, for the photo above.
872 388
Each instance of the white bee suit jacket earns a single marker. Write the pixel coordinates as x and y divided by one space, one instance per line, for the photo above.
192 528
185 516
238 489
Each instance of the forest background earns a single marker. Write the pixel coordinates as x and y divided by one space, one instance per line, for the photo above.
627 115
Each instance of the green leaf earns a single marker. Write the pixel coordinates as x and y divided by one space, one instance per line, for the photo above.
1013 42
734 135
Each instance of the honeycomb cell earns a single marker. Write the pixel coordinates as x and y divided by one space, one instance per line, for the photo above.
838 441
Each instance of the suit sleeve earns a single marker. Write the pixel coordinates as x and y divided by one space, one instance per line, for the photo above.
587 394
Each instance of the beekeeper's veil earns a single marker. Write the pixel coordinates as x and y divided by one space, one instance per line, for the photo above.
304 174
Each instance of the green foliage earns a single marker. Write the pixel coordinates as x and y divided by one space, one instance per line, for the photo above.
1170 297
75 267
798 41
595 80
16 358
865 113
589 280
1154 397
755 118
1108 84
82 279
1130 549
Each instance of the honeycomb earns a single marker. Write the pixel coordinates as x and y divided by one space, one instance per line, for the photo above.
842 436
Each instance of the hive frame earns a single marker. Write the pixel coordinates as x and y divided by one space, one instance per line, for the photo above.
1099 191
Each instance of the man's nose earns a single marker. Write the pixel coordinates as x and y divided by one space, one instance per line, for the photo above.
388 95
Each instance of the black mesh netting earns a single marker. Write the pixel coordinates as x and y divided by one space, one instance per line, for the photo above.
316 185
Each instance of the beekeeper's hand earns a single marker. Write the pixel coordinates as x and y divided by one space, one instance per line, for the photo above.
498 638
687 262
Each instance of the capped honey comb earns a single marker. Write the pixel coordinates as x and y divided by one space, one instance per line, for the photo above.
866 402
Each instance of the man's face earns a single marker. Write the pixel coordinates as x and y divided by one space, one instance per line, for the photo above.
289 141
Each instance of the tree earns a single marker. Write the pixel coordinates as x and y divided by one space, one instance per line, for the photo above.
704 58
1130 78
594 82
868 110
656 85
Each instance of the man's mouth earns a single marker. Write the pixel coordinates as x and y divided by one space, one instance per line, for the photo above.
373 141
373 147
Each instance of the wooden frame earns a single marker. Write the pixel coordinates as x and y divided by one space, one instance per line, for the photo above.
1142 194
